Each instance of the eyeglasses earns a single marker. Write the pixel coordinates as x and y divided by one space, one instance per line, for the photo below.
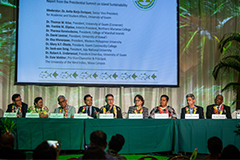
61 102
137 100
110 99
18 100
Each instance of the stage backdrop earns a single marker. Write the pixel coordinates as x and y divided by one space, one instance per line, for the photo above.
202 25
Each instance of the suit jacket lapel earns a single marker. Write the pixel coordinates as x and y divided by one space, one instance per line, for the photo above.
92 113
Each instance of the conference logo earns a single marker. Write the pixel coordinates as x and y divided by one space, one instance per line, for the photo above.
144 4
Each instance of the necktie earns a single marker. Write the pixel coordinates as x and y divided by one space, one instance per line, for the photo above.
89 111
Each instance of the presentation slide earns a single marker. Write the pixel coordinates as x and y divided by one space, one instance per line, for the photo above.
97 42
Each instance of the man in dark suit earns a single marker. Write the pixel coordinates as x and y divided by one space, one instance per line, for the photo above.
17 106
88 108
218 108
192 108
110 107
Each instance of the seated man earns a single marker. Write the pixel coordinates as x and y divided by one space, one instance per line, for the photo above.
88 108
67 110
218 108
214 145
7 148
99 139
164 108
115 145
110 107
17 106
191 108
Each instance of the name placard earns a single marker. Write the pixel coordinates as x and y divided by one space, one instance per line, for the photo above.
56 115
10 115
135 116
161 116
32 115
89 117
191 116
81 116
105 116
238 116
218 116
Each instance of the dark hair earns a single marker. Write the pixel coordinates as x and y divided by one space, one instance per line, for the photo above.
219 95
15 96
98 138
140 97
44 151
165 97
116 143
108 96
215 145
37 99
230 152
94 152
86 96
190 95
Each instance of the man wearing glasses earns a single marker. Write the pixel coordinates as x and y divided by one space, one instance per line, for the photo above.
17 106
67 110
110 108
